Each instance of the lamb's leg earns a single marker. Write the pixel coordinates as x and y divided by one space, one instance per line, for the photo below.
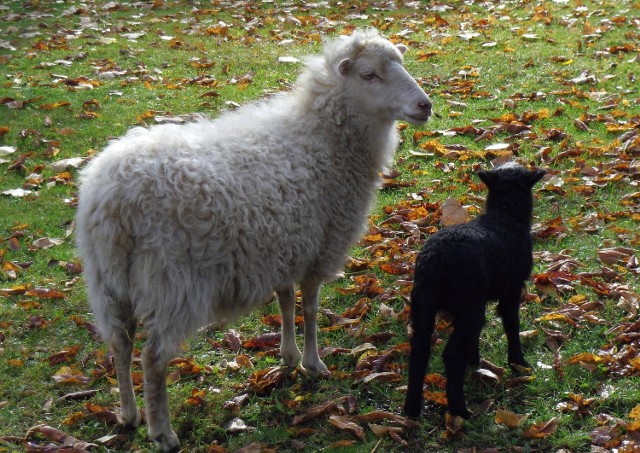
509 311
288 348
310 359
154 364
473 340
121 343
418 359
455 366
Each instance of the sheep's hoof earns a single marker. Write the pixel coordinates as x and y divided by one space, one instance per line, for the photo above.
131 421
413 411
459 410
167 442
291 360
316 370
464 414
523 367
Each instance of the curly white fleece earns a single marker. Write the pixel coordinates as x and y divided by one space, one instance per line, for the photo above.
193 224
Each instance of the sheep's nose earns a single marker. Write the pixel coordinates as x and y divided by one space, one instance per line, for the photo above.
425 106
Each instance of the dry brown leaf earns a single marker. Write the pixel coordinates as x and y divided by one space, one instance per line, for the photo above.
346 423
375 416
59 437
453 213
264 381
318 410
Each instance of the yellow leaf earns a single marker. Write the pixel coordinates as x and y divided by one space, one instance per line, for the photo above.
584 357
434 146
635 413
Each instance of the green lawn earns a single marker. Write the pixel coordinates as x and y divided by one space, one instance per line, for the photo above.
554 84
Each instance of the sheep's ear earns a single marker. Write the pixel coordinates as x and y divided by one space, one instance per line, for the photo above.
535 176
486 177
344 65
402 48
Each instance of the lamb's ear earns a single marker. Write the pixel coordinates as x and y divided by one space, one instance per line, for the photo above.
402 48
344 65
535 176
486 177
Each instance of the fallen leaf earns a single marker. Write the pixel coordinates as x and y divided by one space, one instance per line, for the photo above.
508 418
345 422
541 429
57 436
453 213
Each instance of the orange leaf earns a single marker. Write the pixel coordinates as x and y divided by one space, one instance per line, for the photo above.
436 397
542 429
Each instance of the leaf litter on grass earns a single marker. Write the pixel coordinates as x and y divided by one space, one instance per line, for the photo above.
562 96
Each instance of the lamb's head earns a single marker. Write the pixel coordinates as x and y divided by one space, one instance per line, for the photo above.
371 73
510 189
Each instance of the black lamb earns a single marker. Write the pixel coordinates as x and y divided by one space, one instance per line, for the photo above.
460 269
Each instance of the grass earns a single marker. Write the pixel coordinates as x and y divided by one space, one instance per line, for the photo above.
205 65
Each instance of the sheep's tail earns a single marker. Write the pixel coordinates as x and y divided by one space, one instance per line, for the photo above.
423 317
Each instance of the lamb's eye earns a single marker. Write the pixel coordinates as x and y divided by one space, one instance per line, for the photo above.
368 75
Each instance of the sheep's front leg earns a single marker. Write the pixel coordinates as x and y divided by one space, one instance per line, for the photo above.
509 311
310 359
288 348
154 364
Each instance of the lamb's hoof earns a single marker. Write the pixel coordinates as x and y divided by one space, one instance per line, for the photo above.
460 411
413 411
521 367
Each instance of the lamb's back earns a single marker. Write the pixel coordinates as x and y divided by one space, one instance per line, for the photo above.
479 257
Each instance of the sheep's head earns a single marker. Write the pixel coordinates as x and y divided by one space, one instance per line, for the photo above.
371 71
510 188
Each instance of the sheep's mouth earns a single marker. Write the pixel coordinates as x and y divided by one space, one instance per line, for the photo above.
418 119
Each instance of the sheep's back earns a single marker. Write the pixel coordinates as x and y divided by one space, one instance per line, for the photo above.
219 224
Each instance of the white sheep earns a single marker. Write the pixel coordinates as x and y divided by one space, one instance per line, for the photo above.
181 226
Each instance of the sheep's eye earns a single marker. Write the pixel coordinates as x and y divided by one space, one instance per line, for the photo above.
368 75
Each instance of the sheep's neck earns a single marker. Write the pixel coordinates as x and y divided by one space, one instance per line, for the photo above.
507 217
366 146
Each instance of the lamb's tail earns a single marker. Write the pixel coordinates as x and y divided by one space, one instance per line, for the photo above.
423 315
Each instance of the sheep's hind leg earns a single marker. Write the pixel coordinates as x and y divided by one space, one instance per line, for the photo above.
310 359
509 311
288 348
455 366
154 364
473 344
121 343
418 359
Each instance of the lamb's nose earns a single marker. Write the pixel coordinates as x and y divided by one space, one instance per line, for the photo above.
425 106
